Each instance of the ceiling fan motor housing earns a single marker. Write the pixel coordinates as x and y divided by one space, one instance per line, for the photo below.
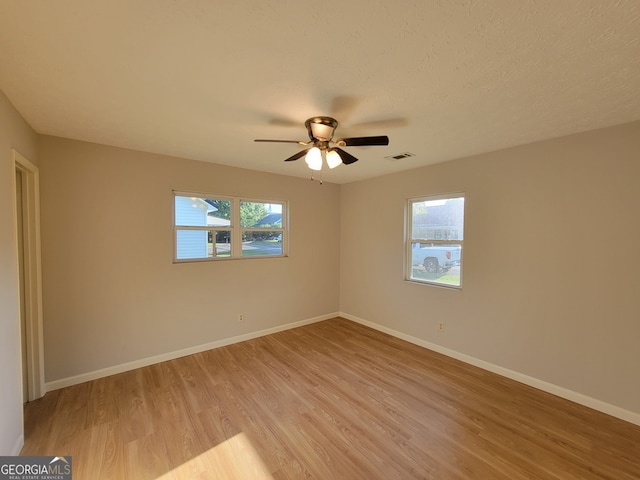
321 128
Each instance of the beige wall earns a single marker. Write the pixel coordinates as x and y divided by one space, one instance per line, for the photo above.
16 134
111 292
551 261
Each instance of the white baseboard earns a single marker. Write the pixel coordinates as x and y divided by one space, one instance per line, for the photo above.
18 446
144 362
576 397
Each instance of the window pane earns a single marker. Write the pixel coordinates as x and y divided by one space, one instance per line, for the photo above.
260 215
263 242
439 263
192 244
200 212
222 243
218 213
440 219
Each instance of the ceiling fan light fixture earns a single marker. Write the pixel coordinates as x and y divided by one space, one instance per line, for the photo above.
313 158
333 159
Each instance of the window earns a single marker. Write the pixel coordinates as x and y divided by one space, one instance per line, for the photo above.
434 240
212 227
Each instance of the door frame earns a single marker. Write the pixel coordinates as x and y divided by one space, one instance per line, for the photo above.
32 272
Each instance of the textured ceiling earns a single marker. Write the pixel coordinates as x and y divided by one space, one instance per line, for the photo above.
201 79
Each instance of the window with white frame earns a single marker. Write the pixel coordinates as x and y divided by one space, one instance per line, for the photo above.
212 227
435 233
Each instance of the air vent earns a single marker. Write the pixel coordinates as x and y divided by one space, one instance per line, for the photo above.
400 156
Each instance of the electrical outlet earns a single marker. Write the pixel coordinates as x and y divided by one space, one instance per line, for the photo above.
240 317
441 327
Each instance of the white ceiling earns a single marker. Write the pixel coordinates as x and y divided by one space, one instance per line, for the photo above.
201 79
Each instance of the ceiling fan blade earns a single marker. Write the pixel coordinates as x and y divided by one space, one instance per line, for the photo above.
299 142
363 141
298 155
347 158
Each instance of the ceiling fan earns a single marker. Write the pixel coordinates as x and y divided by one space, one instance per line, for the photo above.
321 144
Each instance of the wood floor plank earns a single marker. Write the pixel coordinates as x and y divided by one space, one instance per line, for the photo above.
332 399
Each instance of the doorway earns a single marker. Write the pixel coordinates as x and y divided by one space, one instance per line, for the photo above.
27 203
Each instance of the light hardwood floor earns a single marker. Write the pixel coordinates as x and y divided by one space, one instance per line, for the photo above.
329 400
